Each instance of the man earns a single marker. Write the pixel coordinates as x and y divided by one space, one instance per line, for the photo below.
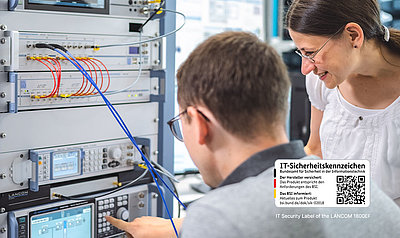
232 94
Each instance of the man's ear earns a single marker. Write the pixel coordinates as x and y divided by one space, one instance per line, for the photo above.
355 34
199 124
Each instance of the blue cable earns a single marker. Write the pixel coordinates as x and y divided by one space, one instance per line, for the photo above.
126 130
121 122
123 126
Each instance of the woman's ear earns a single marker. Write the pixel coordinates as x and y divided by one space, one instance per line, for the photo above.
355 34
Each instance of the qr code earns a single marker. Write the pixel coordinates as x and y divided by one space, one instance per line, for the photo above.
350 189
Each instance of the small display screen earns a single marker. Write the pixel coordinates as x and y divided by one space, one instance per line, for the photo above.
133 50
65 164
72 3
89 6
73 222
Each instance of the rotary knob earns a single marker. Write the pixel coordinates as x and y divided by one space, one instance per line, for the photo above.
115 153
123 214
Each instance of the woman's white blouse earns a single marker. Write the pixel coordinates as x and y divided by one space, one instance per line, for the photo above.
350 132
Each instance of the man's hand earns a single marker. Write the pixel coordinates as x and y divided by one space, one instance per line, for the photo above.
147 227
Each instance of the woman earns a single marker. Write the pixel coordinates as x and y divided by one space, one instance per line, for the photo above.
352 63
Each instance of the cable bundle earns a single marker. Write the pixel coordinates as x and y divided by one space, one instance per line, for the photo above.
54 67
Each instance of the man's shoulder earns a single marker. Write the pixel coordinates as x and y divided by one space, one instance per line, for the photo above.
259 188
230 210
235 192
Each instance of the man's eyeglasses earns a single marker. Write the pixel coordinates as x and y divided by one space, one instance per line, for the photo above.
175 124
312 55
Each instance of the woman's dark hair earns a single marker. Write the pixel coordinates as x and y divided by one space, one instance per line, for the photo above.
325 17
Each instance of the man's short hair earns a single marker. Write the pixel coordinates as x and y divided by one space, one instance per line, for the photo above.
240 79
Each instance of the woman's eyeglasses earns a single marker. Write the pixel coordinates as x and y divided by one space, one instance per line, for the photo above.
312 56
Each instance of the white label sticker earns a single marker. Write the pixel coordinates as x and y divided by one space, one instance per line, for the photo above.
322 183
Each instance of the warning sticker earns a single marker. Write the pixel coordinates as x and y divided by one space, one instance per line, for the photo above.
322 183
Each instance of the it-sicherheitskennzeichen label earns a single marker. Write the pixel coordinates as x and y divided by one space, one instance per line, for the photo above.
322 183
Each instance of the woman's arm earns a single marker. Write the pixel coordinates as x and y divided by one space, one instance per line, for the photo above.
313 146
